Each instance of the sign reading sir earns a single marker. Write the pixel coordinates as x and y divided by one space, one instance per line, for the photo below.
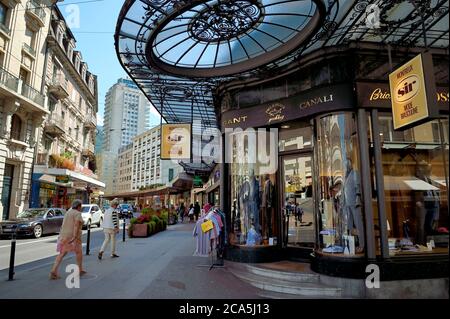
413 92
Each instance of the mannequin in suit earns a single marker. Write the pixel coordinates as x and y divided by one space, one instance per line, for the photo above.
267 204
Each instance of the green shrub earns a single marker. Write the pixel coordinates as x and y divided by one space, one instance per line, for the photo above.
153 227
156 219
133 221
149 228
164 223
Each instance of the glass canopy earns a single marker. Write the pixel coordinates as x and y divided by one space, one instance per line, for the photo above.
179 51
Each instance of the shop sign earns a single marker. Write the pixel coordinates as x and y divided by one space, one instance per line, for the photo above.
197 182
413 89
176 141
48 186
315 101
378 95
62 179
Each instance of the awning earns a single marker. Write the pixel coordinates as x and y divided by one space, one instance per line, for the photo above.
407 183
90 181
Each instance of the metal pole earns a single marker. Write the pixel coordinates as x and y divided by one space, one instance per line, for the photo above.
380 185
88 242
123 232
366 184
12 256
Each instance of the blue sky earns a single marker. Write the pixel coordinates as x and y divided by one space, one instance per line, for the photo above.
95 40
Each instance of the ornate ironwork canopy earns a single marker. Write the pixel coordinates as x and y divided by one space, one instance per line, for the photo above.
178 51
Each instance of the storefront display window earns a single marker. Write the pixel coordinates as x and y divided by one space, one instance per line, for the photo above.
253 201
340 219
297 136
415 188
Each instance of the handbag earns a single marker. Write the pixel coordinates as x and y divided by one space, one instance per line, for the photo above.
207 226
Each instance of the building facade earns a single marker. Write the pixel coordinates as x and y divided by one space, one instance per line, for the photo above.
65 162
127 114
148 168
125 169
23 106
346 190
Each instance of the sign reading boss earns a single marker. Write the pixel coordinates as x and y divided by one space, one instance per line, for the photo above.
413 92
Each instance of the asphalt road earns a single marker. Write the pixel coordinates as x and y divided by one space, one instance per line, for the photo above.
29 249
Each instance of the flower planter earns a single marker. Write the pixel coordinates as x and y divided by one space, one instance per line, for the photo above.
140 230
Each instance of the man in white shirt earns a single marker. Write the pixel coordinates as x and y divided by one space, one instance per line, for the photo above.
110 228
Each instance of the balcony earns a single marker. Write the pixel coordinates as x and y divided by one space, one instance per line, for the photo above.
54 126
58 87
88 150
12 86
35 11
29 50
90 121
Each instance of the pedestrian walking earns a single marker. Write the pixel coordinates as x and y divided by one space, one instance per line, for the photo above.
69 239
197 210
110 228
181 212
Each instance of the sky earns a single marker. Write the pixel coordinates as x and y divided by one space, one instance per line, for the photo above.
94 33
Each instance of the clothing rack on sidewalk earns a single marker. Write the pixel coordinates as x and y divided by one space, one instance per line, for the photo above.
216 236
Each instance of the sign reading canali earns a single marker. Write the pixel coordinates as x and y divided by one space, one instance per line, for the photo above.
413 92
176 142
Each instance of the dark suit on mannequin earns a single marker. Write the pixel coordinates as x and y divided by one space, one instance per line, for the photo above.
267 206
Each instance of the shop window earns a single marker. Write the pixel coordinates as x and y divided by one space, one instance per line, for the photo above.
415 186
254 221
296 136
16 127
340 219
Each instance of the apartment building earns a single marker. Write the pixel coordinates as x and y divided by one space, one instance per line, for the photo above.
65 162
125 168
127 114
24 26
148 168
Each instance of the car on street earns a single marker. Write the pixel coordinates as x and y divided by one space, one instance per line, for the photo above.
34 222
92 215
125 210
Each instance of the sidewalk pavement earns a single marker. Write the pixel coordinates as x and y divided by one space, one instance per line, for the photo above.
158 267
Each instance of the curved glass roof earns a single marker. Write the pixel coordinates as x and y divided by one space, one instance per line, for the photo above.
179 51
220 33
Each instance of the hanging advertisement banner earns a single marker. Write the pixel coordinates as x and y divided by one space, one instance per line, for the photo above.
176 141
413 92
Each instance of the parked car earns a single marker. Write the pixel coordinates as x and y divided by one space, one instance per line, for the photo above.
125 211
34 222
92 215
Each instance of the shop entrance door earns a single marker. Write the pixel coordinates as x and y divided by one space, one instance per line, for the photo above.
297 197
7 188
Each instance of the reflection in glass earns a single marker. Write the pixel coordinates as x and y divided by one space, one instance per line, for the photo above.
341 223
253 198
416 190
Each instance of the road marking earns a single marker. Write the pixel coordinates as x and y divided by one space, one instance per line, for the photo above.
46 239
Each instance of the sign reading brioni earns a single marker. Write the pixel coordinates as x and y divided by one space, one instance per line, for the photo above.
413 92
176 141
